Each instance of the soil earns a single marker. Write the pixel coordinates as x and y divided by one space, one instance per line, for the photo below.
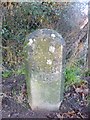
15 104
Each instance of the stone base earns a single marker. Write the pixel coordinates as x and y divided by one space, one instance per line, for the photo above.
46 107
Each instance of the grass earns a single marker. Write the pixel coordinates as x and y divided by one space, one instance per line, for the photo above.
6 73
72 75
20 71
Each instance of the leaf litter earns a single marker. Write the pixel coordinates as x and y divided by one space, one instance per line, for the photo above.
15 104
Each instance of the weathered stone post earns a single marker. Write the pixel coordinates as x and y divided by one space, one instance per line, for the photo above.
45 62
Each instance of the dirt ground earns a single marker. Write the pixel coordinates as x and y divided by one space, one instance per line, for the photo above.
15 104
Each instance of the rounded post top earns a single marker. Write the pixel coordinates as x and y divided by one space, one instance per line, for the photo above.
45 34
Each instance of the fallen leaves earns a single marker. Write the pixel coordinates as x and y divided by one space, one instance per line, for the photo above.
75 102
74 105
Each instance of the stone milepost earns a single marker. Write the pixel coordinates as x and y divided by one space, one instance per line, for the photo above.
44 64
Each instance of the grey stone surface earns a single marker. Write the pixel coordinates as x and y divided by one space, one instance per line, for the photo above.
45 50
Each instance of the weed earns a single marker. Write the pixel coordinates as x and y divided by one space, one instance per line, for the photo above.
20 70
6 73
72 75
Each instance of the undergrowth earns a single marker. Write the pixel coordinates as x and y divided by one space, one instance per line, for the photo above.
72 75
